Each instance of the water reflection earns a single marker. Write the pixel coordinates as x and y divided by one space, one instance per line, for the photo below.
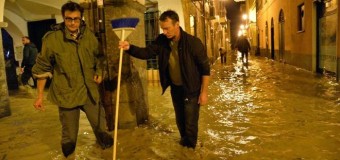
269 110
263 110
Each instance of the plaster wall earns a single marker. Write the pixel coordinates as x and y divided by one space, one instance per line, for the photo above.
2 6
298 44
17 26
175 5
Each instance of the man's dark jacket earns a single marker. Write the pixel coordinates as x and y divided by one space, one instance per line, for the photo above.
193 60
243 44
29 55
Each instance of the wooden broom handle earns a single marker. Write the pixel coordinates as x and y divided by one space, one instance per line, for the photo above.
117 98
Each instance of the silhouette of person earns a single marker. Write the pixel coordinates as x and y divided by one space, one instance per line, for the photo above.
223 54
243 46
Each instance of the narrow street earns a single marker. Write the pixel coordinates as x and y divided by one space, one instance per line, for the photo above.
266 110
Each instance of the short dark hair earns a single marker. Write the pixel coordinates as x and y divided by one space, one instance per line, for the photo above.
26 37
169 14
72 6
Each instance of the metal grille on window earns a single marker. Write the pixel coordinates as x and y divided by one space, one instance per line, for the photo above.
151 32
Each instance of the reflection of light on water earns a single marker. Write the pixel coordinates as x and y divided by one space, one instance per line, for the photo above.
226 122
238 151
245 140
231 107
213 134
221 151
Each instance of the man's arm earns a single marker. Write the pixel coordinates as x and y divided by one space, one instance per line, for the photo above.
42 70
40 89
204 65
203 99
150 51
25 55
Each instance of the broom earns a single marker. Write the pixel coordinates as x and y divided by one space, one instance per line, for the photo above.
122 27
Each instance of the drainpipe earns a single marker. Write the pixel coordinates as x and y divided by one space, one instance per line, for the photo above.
204 27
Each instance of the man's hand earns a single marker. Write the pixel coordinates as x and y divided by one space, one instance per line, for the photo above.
38 104
124 44
98 79
203 99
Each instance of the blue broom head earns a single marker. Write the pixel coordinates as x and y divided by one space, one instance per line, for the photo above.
124 23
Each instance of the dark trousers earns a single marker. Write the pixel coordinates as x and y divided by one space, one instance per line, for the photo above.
69 118
244 54
223 58
187 115
27 75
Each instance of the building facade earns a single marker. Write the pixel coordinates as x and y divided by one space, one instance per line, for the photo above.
303 33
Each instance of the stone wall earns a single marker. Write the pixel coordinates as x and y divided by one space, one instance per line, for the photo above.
4 97
133 105
133 92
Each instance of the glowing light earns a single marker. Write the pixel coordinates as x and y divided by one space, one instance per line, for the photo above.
7 55
244 16
240 33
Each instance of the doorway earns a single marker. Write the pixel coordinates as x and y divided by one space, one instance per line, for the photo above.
37 30
326 37
10 62
281 36
272 44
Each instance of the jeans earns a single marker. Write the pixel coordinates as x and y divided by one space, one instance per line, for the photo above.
187 115
246 55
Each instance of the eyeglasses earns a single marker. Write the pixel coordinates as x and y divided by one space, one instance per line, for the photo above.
70 20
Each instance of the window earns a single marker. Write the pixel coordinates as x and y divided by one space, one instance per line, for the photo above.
192 25
151 32
301 17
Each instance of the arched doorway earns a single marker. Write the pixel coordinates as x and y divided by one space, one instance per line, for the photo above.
10 61
272 44
327 37
281 36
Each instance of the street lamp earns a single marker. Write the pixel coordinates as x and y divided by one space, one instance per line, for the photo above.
245 17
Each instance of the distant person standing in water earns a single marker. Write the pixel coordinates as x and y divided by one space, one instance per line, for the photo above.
223 54
243 46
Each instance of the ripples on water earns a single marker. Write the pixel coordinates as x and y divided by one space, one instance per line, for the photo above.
269 110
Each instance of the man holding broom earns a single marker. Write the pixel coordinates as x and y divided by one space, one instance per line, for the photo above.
70 53
185 67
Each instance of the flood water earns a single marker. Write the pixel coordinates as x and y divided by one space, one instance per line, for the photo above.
266 110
